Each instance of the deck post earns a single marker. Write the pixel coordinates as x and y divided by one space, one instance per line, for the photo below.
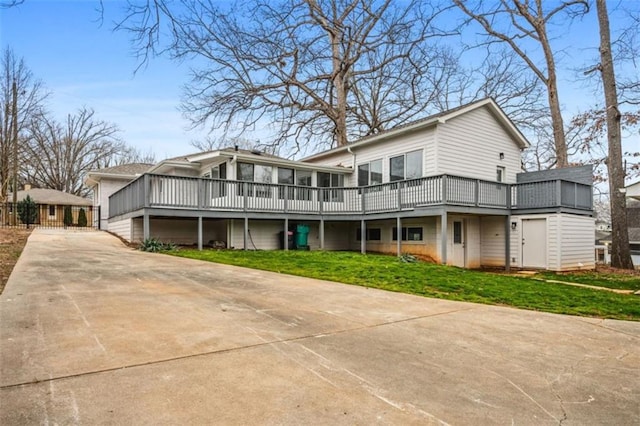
246 233
443 238
199 232
286 234
321 233
146 181
363 237
146 226
399 235
507 243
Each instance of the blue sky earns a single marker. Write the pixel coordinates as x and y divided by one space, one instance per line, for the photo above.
84 63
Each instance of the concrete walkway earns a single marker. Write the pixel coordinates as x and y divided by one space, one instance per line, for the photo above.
92 332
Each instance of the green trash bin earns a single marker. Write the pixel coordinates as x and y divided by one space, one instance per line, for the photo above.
302 237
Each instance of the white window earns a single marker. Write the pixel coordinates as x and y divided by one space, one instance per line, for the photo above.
370 173
331 180
500 174
256 173
406 166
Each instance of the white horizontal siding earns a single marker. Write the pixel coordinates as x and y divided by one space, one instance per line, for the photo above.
470 145
578 243
554 243
492 241
105 189
423 139
121 228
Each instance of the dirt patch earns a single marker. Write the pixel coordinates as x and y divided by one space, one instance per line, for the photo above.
12 242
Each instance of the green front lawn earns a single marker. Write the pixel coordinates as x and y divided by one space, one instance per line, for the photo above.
610 280
426 279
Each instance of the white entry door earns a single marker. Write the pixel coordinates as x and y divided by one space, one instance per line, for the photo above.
534 243
459 251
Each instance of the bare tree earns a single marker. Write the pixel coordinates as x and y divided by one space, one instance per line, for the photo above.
30 98
327 70
10 3
620 250
126 155
59 154
519 22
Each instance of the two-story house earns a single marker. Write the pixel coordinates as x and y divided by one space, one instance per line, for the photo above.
448 187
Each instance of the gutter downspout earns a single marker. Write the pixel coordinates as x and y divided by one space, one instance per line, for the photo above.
354 157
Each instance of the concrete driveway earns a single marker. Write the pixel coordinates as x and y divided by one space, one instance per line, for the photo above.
92 332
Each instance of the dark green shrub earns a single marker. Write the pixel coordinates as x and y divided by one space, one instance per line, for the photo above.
68 217
82 218
27 211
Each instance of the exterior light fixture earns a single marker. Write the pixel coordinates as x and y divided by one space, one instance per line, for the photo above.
514 225
502 155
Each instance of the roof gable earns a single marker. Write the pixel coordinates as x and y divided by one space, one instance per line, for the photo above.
431 121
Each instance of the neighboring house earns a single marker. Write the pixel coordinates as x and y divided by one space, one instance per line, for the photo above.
632 193
51 205
105 182
447 187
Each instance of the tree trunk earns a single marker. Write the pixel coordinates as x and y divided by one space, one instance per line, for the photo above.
620 252
339 85
554 103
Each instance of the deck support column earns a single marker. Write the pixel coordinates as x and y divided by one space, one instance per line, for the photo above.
399 235
443 238
246 233
199 232
321 233
507 243
286 234
363 237
146 226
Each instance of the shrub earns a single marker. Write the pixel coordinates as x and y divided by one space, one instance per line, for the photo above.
27 211
82 218
68 217
154 245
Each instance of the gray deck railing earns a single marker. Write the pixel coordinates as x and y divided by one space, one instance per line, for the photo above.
553 193
178 192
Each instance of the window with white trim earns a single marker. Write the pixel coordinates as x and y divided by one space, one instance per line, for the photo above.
255 173
410 233
331 180
500 174
370 173
406 166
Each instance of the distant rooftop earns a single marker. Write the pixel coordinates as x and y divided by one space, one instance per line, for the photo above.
51 196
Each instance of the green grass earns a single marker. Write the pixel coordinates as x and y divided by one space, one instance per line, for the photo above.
619 281
425 279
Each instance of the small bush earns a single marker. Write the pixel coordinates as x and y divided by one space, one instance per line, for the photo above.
82 218
153 245
27 211
408 258
68 217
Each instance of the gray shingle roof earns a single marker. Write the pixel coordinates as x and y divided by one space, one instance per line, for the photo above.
51 196
125 169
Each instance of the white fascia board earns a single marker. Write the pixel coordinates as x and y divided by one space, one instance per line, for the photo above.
173 164
94 177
